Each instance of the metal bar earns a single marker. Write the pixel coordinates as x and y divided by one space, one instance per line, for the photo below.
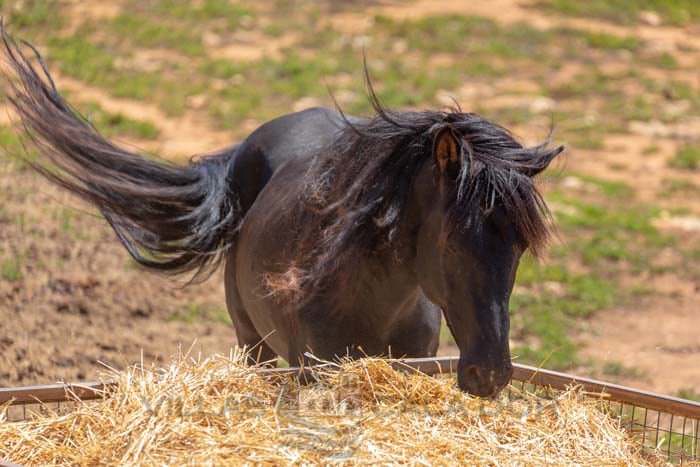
670 437
53 393
430 366
685 419
8 464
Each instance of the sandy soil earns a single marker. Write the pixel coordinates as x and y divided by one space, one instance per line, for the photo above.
81 300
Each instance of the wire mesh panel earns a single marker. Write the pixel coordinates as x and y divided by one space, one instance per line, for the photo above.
672 438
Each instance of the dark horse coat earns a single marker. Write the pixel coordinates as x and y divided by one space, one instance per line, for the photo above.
341 236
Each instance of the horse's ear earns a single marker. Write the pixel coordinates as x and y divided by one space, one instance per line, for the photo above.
446 152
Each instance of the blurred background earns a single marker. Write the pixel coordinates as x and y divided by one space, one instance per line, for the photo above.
618 295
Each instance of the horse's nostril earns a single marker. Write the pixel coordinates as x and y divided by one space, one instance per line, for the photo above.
484 382
472 372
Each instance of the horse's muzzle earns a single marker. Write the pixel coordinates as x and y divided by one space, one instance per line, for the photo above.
484 382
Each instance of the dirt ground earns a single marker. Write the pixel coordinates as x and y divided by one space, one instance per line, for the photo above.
81 303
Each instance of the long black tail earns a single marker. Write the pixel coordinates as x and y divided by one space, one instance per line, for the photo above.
171 218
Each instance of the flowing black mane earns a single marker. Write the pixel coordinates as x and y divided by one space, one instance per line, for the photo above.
362 188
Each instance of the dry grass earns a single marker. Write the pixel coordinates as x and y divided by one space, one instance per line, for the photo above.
220 412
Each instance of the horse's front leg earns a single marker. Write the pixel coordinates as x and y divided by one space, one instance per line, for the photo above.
418 335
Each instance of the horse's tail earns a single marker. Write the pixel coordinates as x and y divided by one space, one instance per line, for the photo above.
170 218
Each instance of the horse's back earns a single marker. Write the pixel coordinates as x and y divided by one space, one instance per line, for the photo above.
293 138
300 134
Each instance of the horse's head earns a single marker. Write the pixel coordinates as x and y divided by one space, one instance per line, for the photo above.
480 212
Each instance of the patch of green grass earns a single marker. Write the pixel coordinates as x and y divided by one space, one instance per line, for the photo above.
587 294
574 129
627 11
221 315
609 41
664 60
634 107
11 147
651 149
192 13
603 236
153 33
472 37
618 369
641 290
606 233
679 211
83 59
687 157
610 188
631 218
583 84
550 313
117 124
594 216
195 313
690 394
672 187
94 64
677 89
66 218
10 270
31 14
446 337
538 315
189 314
530 272
508 116
592 138
438 33
223 69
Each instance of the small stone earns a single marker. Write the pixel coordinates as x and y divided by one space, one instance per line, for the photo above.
361 42
677 108
649 18
210 39
542 105
197 101
400 46
345 96
445 98
652 128
306 103
685 223
573 183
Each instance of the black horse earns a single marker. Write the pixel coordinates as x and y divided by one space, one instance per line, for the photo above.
341 236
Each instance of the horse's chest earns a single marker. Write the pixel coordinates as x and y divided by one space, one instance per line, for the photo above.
369 296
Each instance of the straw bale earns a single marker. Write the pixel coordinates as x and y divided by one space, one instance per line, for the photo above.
218 411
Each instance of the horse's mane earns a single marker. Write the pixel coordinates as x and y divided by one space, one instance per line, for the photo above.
360 190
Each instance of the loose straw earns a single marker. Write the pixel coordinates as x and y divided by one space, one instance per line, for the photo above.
218 411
